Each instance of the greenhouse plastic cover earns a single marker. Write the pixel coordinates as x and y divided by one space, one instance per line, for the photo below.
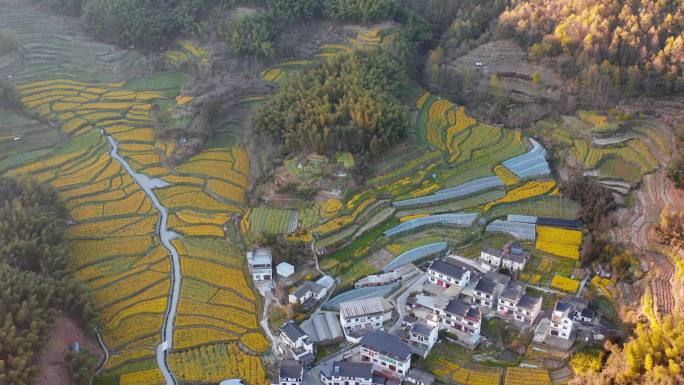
522 218
517 229
414 254
361 293
464 220
454 192
530 164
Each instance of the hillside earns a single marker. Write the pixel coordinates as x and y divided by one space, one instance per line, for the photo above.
358 141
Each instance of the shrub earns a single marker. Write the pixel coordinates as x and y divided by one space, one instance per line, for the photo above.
9 97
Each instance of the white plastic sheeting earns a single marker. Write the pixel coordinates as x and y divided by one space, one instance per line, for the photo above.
414 255
453 192
463 220
530 164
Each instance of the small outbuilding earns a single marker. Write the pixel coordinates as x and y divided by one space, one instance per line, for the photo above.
284 269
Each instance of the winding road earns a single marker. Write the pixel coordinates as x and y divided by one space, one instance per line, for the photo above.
165 236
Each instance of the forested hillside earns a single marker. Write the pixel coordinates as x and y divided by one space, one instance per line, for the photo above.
34 283
346 104
611 46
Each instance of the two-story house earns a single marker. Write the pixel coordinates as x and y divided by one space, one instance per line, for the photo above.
368 313
462 317
297 342
445 274
486 292
347 373
492 256
515 261
290 373
508 300
260 264
306 291
528 308
423 336
562 320
387 351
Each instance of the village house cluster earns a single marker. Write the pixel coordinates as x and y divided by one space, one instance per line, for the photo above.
452 296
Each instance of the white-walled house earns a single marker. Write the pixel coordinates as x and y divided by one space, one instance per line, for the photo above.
306 291
424 335
260 264
528 308
562 320
492 256
462 317
515 302
297 342
486 292
368 313
347 373
291 373
445 274
387 351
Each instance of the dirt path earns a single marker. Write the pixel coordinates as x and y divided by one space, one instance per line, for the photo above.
53 367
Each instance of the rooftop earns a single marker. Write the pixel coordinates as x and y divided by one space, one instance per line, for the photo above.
515 257
447 269
421 375
360 307
349 369
512 292
307 286
292 330
391 345
485 285
493 251
422 328
529 301
290 369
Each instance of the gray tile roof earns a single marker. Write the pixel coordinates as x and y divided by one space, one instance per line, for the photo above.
307 286
493 251
485 285
458 307
421 375
528 301
447 269
562 306
422 328
381 341
349 369
292 330
291 369
518 258
512 292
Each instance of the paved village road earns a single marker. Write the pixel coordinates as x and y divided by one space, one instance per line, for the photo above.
165 236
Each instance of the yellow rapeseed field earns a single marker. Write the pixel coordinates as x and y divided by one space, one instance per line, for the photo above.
558 241
528 190
506 175
566 284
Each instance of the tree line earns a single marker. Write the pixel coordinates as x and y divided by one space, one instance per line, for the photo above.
152 24
256 34
347 103
654 355
36 284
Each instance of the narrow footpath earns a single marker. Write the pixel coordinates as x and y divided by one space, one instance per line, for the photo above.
165 236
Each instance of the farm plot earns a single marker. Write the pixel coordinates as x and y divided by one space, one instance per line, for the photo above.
632 154
527 376
558 241
113 241
543 269
114 250
450 372
270 220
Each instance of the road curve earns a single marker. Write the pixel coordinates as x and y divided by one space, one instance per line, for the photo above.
165 236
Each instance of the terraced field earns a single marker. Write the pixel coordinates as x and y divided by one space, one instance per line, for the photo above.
113 237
